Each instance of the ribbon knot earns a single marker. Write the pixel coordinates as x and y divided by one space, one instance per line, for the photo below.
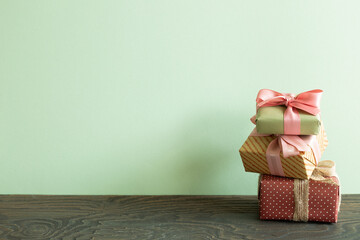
289 98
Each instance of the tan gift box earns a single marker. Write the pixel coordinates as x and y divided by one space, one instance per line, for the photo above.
254 157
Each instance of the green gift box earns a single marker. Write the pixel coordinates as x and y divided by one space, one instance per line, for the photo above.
287 113
270 120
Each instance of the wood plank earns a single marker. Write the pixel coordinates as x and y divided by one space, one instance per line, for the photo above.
160 217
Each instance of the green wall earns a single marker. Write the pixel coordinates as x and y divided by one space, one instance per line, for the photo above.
154 97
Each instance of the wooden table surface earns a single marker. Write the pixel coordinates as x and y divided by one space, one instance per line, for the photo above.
160 217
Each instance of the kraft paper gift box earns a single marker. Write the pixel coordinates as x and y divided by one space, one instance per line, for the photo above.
279 113
317 199
257 154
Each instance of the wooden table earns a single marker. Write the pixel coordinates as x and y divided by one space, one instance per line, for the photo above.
160 217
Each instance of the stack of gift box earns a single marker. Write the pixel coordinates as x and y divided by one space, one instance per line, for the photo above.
285 148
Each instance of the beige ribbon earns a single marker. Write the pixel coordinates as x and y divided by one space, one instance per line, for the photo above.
322 172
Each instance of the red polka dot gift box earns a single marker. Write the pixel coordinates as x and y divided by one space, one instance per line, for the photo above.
316 199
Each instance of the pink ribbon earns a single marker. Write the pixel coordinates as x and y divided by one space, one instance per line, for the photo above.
307 101
289 145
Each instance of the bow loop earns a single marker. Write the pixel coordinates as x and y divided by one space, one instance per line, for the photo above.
292 145
324 170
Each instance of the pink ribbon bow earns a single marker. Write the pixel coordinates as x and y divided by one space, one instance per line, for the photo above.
307 101
289 145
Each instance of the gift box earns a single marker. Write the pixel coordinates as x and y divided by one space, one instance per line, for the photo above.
316 199
288 156
284 113
270 120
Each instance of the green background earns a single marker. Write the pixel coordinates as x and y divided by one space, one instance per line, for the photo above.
154 97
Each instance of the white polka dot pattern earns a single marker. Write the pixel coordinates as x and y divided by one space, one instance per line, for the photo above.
277 199
323 201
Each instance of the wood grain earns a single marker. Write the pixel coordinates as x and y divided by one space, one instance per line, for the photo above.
160 217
